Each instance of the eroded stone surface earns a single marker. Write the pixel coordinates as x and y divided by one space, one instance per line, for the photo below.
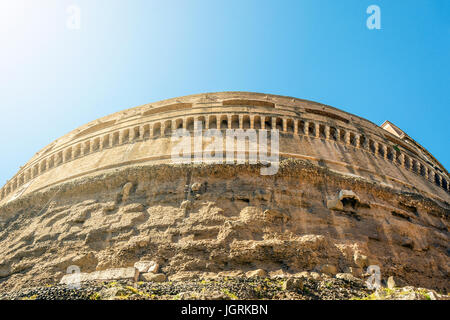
222 234
146 266
153 277
106 196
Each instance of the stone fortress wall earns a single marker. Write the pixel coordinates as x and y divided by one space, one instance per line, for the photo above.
322 134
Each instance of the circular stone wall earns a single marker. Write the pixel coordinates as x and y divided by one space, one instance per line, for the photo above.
346 194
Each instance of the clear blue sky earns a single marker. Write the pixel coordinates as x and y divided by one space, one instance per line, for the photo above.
127 53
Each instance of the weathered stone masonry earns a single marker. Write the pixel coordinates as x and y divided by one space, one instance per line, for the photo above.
348 194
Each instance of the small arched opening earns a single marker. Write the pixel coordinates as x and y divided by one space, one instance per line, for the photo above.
224 122
156 130
167 127
256 122
212 122
290 125
246 122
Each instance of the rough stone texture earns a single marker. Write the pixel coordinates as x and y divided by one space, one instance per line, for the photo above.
152 277
293 284
225 288
146 266
256 273
328 269
111 205
346 276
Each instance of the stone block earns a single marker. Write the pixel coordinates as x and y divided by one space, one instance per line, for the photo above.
256 273
335 204
146 266
186 204
152 277
346 277
293 284
130 273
